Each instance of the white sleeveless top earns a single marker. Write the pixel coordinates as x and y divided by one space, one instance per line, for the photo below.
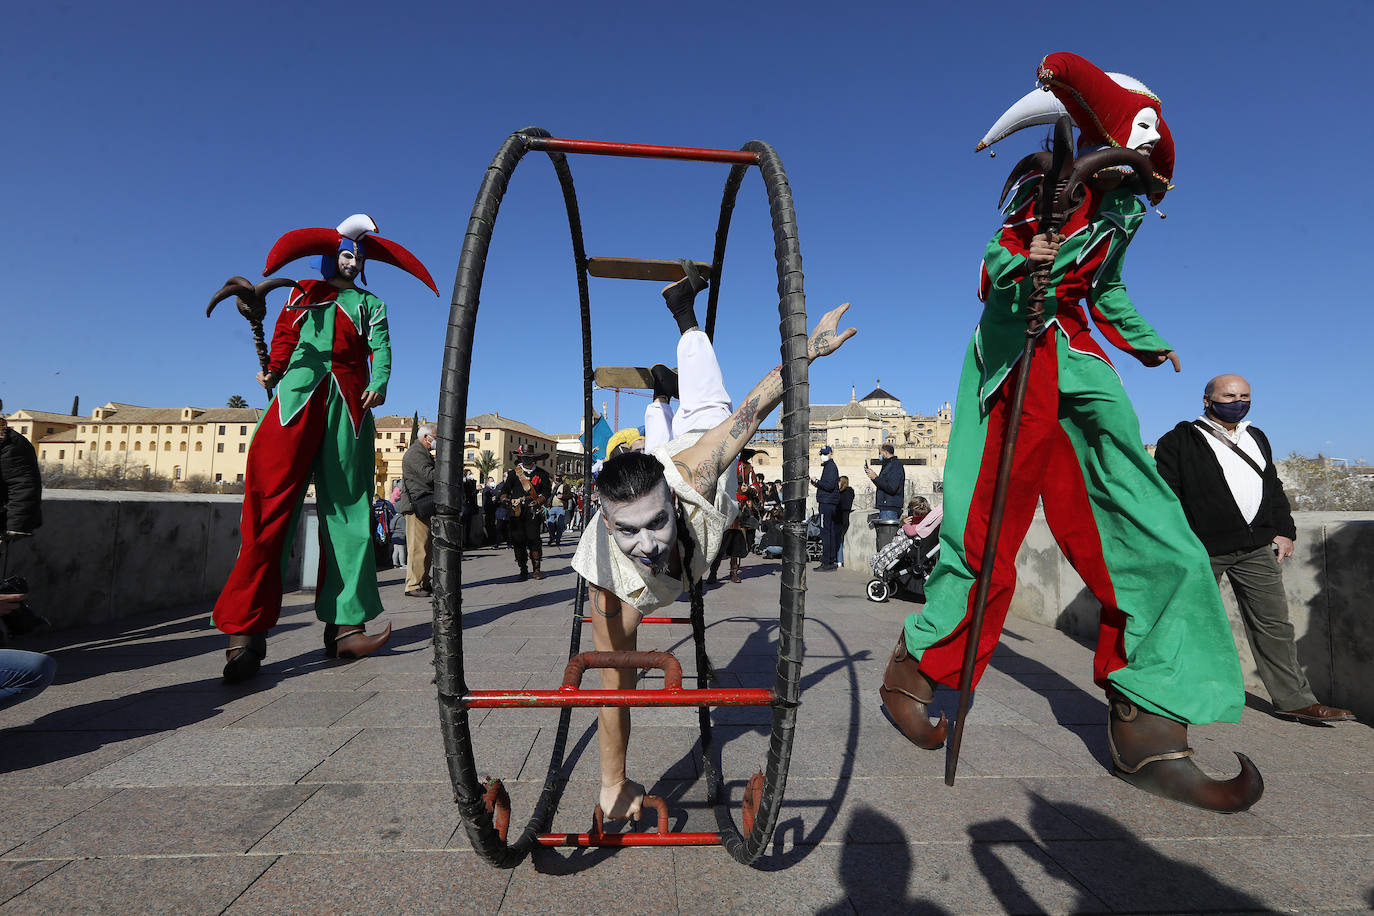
601 562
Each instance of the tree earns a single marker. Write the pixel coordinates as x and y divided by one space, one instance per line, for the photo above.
76 406
415 426
236 400
486 463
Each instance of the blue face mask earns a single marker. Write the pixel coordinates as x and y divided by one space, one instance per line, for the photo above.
1229 411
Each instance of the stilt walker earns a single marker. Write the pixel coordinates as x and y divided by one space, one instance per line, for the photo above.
1165 656
330 362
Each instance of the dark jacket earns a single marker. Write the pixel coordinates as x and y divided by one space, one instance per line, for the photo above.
417 476
21 487
1190 468
828 485
891 484
540 482
843 507
469 496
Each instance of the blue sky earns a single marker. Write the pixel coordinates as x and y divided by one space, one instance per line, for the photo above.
154 149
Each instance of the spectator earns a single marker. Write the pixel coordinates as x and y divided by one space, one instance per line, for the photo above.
469 507
1222 469
842 510
890 481
23 675
395 492
417 505
558 512
21 487
827 498
489 501
770 541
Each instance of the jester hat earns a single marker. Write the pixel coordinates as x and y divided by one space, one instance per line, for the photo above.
1103 107
349 234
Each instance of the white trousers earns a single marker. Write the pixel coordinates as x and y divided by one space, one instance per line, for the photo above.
703 402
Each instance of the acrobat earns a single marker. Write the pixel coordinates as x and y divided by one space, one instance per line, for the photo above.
665 510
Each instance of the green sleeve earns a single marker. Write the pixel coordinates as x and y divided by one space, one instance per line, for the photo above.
1116 315
379 341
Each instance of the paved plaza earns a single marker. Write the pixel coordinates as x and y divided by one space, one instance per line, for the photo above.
139 784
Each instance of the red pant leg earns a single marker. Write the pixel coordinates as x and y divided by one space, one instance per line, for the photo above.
278 473
944 660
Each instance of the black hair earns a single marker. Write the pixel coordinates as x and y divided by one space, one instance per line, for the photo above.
628 477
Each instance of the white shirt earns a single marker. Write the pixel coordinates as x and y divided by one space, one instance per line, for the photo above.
1246 486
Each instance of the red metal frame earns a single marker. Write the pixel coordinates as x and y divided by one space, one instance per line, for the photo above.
681 620
598 836
642 150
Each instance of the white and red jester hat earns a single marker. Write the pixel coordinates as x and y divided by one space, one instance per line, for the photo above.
327 243
1103 107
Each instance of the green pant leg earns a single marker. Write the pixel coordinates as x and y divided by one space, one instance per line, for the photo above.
1180 658
345 470
948 587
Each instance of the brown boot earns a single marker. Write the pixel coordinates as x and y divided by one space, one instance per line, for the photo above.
535 565
244 656
905 693
352 642
1151 752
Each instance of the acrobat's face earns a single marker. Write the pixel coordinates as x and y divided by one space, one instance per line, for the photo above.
644 528
1144 131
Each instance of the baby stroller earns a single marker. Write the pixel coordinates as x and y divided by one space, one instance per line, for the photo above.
906 561
814 549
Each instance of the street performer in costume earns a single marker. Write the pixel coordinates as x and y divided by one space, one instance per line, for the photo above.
665 510
1165 655
330 362
526 495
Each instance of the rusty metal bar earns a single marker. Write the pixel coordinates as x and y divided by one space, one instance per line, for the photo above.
641 150
629 839
667 697
681 620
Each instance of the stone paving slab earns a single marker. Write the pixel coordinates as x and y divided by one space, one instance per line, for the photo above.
139 783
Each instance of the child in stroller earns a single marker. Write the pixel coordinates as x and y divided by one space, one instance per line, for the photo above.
909 557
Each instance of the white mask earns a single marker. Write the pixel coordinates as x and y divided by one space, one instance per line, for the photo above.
1144 129
645 528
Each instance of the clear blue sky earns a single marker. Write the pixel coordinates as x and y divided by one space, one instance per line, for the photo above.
154 149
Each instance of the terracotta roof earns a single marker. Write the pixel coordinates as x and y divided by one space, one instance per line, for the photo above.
170 416
43 416
499 422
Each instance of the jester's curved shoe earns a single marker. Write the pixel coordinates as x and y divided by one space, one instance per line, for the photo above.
1151 753
905 693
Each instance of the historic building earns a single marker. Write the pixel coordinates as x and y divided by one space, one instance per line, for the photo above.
857 429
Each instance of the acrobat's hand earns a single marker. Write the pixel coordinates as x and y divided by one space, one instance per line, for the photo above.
827 337
623 801
268 380
372 399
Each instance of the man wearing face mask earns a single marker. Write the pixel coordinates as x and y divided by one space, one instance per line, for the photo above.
890 483
664 511
525 494
1222 469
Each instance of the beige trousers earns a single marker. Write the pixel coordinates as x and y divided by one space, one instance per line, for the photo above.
417 547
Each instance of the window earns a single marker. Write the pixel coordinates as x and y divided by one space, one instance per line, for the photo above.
243 447
243 430
123 446
83 429
486 437
93 447
169 429
221 430
238 478
176 472
137 429
107 445
138 446
199 446
124 429
853 441
109 429
219 478
184 430
199 429
220 448
467 456
61 453
79 454
388 435
51 430
472 437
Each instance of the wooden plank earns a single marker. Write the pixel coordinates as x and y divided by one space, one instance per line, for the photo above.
641 269
623 377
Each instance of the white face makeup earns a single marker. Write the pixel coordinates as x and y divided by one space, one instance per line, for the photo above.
1144 130
645 528
348 265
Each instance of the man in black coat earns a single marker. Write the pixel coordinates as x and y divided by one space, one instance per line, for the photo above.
891 483
1222 469
417 505
21 487
827 498
526 492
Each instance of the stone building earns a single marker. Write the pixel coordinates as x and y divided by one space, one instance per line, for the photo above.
501 436
857 429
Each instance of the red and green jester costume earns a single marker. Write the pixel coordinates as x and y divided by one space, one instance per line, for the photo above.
330 347
1164 653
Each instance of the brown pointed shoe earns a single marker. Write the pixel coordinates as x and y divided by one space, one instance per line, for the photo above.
1317 714
1151 752
355 643
905 693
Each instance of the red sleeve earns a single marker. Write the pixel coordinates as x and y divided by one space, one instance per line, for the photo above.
284 339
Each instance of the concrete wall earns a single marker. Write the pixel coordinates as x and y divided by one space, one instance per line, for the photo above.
105 555
1328 581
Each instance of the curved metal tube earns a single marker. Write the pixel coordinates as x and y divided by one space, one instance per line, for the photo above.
446 525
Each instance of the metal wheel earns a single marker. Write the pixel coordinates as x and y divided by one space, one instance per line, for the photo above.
878 590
